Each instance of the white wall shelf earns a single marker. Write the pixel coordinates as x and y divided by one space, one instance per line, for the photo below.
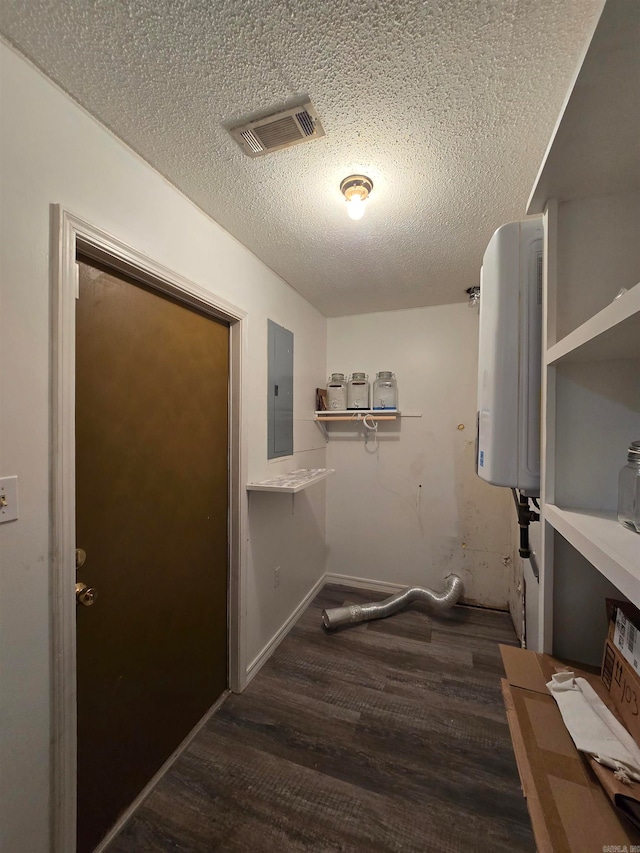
293 481
355 415
345 419
598 536
613 333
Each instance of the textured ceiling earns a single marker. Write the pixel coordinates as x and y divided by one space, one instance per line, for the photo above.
446 104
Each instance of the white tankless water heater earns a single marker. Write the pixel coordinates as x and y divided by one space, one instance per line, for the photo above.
509 358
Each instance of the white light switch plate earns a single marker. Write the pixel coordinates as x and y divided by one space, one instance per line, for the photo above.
8 499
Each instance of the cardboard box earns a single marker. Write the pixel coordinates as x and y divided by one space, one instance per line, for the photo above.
623 686
569 807
624 631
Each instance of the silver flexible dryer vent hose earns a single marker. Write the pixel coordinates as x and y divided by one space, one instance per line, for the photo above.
439 602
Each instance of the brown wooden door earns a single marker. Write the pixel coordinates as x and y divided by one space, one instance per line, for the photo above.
152 498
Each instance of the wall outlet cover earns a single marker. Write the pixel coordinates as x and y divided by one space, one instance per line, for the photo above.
8 499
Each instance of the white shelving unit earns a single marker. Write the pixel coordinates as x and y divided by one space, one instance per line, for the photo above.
588 189
597 535
293 481
612 334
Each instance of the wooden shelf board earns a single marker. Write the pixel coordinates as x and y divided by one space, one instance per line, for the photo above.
330 413
597 535
612 333
292 482
354 415
585 156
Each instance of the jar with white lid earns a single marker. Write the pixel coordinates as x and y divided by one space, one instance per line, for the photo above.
337 392
629 489
358 391
385 391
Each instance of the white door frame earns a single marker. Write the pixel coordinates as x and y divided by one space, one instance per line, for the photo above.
70 234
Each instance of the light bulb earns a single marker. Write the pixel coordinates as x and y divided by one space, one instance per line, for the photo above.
356 189
355 207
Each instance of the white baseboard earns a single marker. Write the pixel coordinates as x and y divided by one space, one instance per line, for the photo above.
142 796
364 583
256 665
342 580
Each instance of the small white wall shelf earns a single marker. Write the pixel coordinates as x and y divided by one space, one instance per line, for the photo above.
355 415
294 481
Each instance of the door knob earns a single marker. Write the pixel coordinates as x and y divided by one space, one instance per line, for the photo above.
85 595
81 556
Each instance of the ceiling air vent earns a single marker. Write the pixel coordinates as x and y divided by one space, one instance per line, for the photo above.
279 130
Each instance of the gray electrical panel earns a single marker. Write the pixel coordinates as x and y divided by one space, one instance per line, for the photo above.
280 392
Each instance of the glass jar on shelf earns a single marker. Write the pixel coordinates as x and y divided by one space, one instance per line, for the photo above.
629 489
337 392
385 391
358 391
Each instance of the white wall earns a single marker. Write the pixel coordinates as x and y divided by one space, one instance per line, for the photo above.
413 509
53 152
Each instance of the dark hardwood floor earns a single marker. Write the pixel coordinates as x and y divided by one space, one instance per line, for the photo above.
386 736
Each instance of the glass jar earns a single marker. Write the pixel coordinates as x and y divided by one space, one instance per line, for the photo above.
385 391
358 391
337 392
629 489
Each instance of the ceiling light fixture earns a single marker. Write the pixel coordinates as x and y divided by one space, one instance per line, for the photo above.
356 189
